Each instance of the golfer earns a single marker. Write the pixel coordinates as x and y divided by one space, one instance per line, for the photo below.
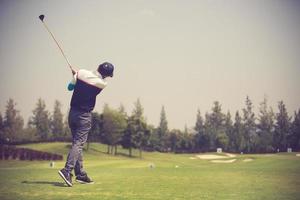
86 85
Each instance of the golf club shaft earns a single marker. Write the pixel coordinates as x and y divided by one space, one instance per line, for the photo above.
59 47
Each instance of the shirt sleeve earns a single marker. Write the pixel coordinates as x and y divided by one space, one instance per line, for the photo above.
101 83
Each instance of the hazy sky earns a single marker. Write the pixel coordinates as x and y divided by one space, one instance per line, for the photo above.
181 54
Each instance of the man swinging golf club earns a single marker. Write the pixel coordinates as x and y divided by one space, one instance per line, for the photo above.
86 85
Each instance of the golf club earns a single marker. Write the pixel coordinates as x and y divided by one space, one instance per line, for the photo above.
41 17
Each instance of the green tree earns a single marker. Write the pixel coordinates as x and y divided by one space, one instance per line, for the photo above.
141 135
40 120
190 135
173 139
114 124
265 128
154 141
96 129
199 128
1 130
95 133
29 134
229 132
207 137
250 135
138 110
294 140
67 135
12 124
123 115
238 140
127 139
282 128
182 141
57 124
121 110
215 128
137 133
1 121
185 142
162 129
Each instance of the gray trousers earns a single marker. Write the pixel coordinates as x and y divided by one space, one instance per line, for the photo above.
80 123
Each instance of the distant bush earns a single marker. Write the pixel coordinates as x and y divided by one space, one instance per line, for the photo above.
11 152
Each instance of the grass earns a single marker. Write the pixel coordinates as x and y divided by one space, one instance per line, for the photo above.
119 177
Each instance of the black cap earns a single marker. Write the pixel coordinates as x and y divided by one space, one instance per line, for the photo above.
106 69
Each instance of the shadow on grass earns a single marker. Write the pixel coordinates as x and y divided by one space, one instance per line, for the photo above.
57 184
117 154
96 150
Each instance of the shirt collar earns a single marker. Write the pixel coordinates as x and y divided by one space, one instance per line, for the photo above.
98 74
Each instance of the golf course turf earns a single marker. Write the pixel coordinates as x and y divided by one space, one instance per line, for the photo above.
155 176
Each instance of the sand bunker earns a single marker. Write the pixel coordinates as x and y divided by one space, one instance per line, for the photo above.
221 158
213 157
223 161
268 155
230 155
298 154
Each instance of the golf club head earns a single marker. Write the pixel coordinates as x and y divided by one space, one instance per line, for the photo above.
42 17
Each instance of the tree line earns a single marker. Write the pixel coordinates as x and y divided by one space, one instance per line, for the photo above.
41 126
269 131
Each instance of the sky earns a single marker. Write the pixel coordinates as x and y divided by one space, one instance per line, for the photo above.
182 55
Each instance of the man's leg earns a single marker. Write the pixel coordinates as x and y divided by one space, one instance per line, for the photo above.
81 175
79 166
80 124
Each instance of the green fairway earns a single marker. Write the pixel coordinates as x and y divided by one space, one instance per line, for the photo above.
174 176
